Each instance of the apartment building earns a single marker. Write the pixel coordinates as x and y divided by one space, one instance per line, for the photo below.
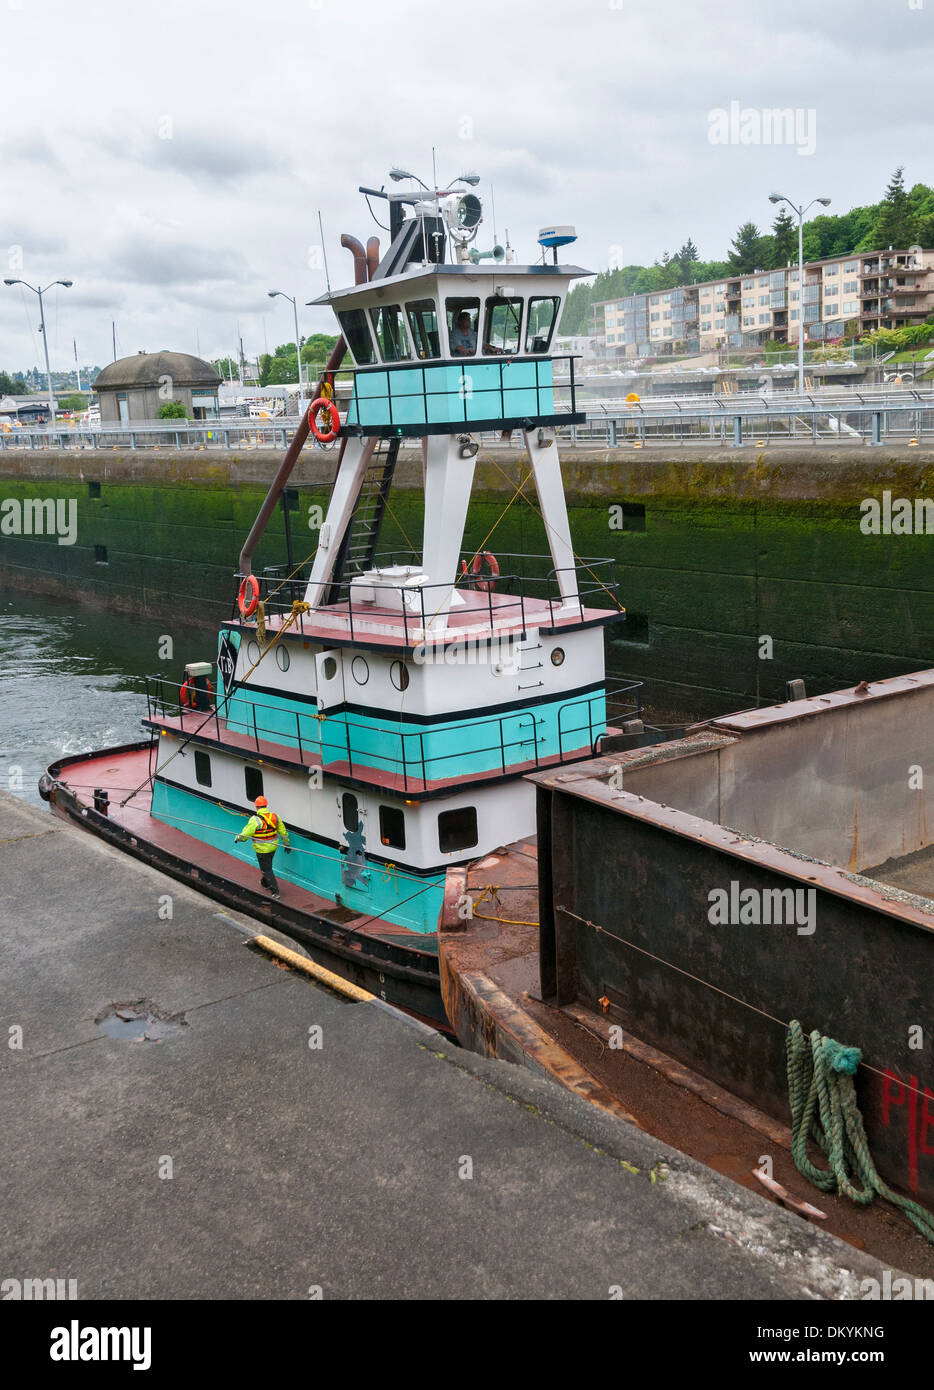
842 296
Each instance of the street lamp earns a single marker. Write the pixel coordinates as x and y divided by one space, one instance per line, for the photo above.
780 198
298 346
37 289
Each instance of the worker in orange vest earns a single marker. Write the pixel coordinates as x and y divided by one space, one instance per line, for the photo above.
265 829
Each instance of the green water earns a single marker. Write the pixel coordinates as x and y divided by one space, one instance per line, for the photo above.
72 680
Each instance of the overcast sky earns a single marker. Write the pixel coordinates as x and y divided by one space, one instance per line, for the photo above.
170 157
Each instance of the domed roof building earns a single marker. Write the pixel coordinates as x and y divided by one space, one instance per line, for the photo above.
134 388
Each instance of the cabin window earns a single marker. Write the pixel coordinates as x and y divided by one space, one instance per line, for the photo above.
463 331
350 812
202 768
390 334
541 323
253 782
423 321
457 830
355 331
392 827
503 325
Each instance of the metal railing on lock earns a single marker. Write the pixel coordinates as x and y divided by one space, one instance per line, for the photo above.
744 417
871 413
323 741
415 606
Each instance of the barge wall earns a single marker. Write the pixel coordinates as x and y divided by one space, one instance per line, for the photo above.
715 550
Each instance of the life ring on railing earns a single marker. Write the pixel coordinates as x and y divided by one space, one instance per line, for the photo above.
247 609
488 581
321 406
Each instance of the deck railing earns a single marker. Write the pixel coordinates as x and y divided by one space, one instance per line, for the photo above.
416 606
414 756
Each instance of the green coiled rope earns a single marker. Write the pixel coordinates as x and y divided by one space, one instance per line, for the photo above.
823 1106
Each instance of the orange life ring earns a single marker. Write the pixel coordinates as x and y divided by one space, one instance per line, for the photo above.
489 582
252 583
320 405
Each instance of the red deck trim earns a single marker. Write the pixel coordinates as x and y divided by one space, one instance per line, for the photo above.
264 750
119 773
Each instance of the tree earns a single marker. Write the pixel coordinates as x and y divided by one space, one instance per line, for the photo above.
895 223
784 239
12 385
172 410
318 347
688 257
746 250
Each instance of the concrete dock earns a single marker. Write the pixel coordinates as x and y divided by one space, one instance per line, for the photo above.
225 1157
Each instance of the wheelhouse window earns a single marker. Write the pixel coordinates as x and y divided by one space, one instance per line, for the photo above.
392 827
503 325
252 782
389 332
457 829
423 321
541 323
357 336
463 317
350 811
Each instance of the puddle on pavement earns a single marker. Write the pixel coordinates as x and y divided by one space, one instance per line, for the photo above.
137 1023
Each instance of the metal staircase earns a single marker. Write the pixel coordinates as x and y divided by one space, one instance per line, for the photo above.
359 545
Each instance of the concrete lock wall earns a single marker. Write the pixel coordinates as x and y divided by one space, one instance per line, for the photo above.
717 550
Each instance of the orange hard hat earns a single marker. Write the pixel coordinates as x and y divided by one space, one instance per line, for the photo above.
260 801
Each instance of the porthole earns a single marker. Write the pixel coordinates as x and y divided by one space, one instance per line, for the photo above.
282 657
399 675
557 656
329 668
360 670
252 653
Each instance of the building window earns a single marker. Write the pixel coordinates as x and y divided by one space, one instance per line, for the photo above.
831 269
390 334
357 335
202 768
850 266
392 827
503 325
253 783
457 830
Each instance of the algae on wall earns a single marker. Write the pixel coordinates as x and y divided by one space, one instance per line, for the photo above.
713 558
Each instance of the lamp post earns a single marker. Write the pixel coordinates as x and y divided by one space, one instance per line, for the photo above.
780 198
298 345
37 289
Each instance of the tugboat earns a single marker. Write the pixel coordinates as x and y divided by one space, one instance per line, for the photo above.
387 707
